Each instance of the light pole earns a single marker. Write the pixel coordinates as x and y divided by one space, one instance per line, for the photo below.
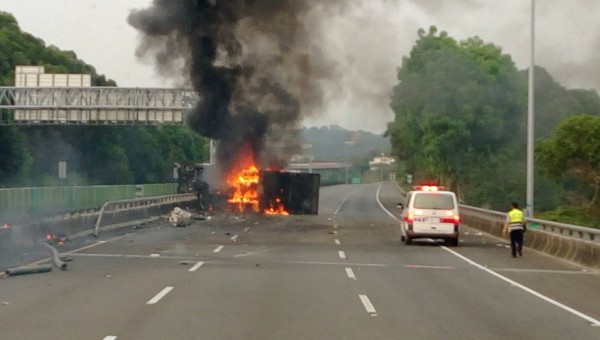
530 117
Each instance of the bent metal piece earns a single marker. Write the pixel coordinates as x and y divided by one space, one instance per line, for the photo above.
44 268
56 257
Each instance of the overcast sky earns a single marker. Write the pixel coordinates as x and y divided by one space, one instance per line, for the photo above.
367 42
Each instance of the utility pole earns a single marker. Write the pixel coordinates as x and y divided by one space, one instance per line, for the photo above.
530 118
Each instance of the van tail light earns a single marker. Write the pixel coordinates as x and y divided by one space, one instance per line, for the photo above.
452 219
409 218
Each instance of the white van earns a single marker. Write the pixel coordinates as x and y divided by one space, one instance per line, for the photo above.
430 212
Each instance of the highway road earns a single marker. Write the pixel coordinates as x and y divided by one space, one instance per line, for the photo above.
342 274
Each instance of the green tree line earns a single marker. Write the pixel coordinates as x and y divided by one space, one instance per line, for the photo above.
461 119
29 155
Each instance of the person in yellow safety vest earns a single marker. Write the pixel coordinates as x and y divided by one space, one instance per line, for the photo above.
515 224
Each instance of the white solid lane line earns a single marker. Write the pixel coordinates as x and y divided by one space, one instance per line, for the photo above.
337 242
218 249
350 273
196 266
367 303
159 296
342 254
588 318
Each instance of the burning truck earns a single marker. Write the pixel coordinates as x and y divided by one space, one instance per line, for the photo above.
248 189
273 192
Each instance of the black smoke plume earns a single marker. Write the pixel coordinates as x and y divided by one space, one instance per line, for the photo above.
254 64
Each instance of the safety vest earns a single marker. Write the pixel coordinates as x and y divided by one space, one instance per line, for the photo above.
515 216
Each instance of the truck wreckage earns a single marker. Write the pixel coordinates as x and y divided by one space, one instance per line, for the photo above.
249 189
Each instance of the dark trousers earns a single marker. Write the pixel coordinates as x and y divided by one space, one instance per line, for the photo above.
516 242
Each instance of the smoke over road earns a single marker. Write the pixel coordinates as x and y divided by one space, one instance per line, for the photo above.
254 63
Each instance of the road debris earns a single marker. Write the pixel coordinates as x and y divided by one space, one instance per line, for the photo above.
4 303
56 239
179 217
56 257
44 268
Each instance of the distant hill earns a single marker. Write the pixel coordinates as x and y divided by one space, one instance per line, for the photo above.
333 143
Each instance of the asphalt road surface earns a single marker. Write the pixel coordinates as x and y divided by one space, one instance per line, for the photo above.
343 274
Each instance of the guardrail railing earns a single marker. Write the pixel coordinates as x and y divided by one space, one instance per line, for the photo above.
564 229
139 203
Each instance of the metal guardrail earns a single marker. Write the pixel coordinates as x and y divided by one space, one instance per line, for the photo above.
139 203
564 229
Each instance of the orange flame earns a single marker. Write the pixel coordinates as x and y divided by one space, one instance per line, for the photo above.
244 179
276 208
245 185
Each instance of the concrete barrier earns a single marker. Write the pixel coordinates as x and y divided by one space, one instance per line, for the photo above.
583 252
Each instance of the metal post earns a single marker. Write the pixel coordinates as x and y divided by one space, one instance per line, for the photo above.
530 117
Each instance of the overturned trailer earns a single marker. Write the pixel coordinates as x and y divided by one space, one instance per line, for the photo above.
298 193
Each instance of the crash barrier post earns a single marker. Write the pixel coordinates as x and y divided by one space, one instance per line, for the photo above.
138 204
567 241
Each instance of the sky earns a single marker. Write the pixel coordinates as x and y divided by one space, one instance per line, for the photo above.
367 42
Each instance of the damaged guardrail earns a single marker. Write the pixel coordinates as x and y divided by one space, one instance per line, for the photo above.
114 207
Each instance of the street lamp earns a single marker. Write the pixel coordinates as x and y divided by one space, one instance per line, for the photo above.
530 117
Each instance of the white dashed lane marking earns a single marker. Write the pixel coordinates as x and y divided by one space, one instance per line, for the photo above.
342 254
159 296
218 249
196 266
367 303
350 273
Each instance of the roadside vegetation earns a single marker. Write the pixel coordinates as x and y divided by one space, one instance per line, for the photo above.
29 155
460 119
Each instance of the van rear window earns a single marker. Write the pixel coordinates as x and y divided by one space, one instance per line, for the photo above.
434 201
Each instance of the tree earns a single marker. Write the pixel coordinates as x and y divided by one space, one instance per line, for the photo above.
459 109
574 149
15 160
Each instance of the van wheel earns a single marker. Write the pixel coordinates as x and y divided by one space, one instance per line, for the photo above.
402 238
408 241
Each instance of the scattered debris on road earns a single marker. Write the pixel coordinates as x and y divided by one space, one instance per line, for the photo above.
56 239
24 270
4 303
56 257
179 217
